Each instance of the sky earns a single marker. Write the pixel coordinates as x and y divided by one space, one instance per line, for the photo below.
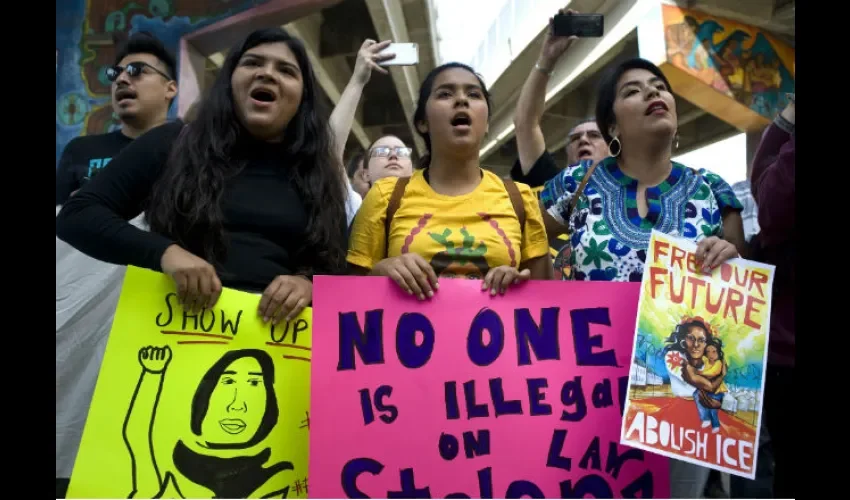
461 24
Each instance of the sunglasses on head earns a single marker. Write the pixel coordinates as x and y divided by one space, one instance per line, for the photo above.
133 70
383 152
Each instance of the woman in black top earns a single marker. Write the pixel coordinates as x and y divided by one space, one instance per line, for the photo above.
248 196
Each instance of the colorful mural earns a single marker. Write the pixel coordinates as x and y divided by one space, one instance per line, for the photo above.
84 31
741 61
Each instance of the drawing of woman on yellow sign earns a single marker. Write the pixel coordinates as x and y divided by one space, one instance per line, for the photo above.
234 408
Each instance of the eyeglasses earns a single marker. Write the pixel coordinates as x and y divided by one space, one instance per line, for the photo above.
384 152
591 135
697 341
133 70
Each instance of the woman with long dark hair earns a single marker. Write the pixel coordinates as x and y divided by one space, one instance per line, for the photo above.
249 195
451 218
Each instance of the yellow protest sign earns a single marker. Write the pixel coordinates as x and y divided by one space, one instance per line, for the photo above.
210 405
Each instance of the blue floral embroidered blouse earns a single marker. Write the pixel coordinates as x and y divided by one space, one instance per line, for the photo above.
608 236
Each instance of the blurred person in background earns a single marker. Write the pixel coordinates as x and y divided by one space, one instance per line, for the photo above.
774 191
357 173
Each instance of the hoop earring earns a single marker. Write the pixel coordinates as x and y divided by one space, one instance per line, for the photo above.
611 147
682 344
676 144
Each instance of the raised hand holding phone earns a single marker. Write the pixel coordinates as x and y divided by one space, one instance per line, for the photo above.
579 25
370 55
405 54
554 45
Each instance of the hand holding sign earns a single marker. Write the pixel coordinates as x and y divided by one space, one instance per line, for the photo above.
500 278
285 298
412 273
713 251
198 286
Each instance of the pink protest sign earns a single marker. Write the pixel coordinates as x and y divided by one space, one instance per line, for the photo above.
468 395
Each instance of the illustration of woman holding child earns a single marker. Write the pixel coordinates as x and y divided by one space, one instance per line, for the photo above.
694 355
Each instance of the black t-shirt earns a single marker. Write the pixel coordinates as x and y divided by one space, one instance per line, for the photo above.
83 158
265 217
545 168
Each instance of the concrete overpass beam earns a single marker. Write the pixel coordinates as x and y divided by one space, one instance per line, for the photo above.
332 73
191 77
583 59
388 19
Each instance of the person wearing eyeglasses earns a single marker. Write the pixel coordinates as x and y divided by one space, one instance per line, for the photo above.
388 157
143 87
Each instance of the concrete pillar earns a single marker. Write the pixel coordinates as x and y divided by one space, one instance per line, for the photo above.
190 81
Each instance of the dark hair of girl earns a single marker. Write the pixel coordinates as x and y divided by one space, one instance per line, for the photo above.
717 344
186 201
425 92
608 92
353 164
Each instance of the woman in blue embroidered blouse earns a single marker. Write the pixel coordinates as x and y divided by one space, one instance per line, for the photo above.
638 188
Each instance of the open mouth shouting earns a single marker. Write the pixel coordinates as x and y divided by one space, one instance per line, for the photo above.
585 152
232 425
657 108
125 94
263 96
461 122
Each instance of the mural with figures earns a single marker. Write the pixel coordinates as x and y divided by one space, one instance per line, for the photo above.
84 31
738 60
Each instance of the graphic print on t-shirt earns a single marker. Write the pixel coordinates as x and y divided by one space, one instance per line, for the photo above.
457 261
460 236
460 253
96 165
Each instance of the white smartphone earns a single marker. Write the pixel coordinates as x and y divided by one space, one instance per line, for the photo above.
406 54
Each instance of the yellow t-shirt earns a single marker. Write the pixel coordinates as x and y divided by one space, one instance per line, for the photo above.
712 370
463 235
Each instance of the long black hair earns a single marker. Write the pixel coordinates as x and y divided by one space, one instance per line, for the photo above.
186 201
425 92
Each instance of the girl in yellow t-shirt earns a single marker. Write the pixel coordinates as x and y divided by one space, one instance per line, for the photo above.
451 218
